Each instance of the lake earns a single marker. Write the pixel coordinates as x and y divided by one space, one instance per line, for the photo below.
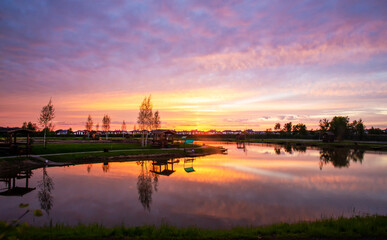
254 184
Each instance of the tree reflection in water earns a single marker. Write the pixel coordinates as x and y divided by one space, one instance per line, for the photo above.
105 167
89 166
340 157
46 185
144 185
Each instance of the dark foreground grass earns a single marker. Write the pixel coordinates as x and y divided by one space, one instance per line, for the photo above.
374 227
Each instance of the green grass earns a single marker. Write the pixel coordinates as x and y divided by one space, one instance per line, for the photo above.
85 147
347 228
75 156
81 147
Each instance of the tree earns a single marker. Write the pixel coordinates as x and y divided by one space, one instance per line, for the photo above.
97 127
324 125
89 125
156 120
30 126
357 128
45 120
300 128
376 131
123 128
288 127
106 124
339 126
145 119
277 126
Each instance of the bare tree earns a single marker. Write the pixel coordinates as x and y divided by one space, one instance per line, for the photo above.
45 120
123 128
145 119
89 125
156 120
106 124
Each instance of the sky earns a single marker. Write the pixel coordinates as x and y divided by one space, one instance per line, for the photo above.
206 64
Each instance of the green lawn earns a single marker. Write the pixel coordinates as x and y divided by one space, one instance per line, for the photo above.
369 227
75 156
81 147
85 147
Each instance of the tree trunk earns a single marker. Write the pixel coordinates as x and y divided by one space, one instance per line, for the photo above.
44 138
107 135
146 139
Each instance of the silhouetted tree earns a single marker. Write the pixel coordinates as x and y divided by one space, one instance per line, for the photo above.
357 128
89 125
277 126
288 127
324 125
300 128
97 127
47 114
339 126
106 124
30 126
375 131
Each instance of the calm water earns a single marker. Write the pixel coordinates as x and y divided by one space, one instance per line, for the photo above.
255 185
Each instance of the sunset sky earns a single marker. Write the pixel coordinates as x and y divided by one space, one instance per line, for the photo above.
207 64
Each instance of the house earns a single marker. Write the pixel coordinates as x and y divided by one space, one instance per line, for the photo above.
79 132
61 132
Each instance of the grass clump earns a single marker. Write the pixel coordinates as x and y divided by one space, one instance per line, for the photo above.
348 228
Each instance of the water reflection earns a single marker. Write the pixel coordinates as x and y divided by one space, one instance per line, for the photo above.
222 191
89 166
340 157
105 167
46 185
289 148
10 178
144 185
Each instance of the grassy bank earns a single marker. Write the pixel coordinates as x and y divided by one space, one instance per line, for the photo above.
380 146
87 147
97 157
374 227
347 144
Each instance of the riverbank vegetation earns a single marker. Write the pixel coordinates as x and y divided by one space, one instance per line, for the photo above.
365 227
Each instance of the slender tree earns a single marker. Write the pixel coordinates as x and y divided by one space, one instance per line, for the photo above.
45 120
123 128
106 124
89 125
156 120
145 119
97 127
